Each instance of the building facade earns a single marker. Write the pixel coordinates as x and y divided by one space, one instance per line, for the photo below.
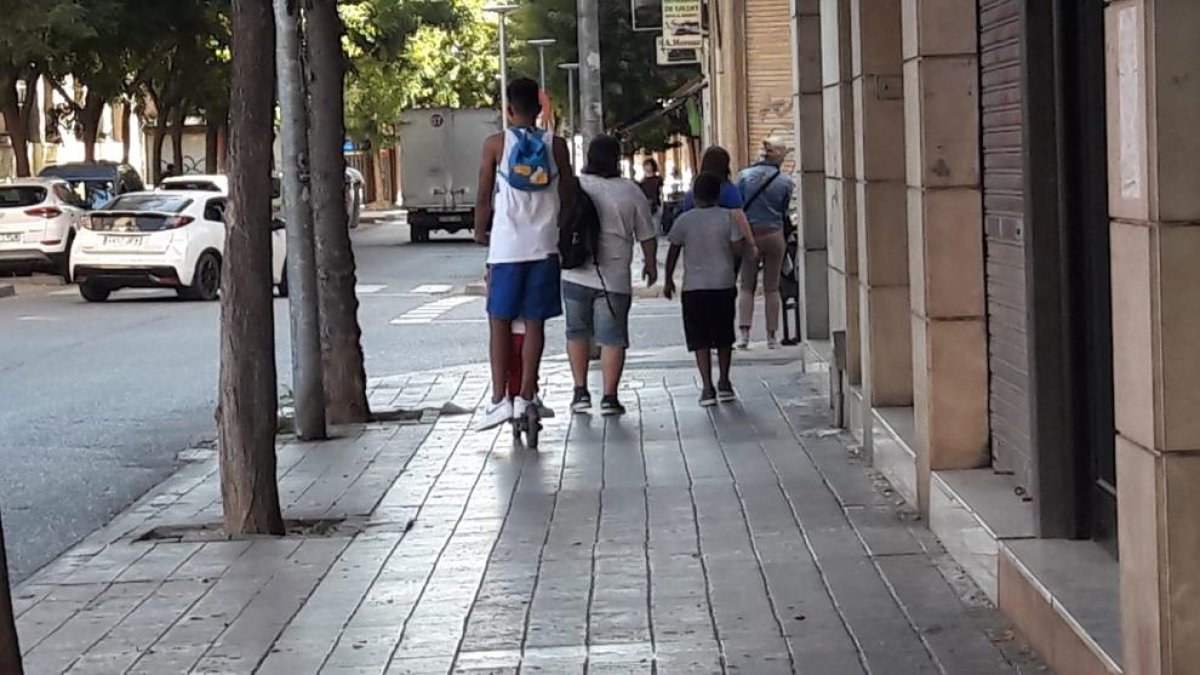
998 218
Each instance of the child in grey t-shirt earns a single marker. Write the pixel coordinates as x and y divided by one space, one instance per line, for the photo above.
707 237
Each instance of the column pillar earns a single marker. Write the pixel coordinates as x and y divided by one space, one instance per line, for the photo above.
840 189
1154 165
809 110
945 228
881 196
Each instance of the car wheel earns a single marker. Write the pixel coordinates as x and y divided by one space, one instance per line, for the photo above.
94 292
283 282
206 282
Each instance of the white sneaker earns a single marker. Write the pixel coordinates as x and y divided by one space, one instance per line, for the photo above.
772 343
495 414
743 344
519 407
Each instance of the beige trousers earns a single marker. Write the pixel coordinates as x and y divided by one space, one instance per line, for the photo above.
771 248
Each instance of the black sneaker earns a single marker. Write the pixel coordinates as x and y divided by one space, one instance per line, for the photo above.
582 401
708 398
725 393
609 406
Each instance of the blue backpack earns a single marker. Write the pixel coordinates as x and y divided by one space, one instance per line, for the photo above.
530 166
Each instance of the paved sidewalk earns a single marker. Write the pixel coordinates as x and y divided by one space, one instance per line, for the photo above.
748 539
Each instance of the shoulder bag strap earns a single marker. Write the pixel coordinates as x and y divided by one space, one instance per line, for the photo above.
761 190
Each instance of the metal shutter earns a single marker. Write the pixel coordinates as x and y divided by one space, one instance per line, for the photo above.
1003 210
769 73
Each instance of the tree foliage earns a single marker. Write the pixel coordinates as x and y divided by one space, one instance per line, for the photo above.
633 83
408 54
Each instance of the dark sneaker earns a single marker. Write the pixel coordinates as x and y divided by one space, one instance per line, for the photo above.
582 401
708 398
609 406
725 393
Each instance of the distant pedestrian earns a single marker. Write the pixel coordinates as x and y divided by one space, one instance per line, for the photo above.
716 161
708 237
652 187
599 293
768 197
169 172
526 187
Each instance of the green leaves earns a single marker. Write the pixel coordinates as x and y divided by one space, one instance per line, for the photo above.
633 83
408 54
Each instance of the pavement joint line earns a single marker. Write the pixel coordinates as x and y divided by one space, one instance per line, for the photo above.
691 487
450 536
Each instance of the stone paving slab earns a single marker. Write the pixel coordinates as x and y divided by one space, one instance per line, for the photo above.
744 539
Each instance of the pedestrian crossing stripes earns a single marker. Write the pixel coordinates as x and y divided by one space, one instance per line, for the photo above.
427 313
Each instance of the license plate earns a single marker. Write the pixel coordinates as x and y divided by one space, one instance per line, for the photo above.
125 242
10 237
448 219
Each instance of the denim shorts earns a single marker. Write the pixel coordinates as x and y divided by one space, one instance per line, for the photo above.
525 290
594 314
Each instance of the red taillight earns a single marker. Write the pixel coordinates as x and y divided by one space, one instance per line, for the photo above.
177 222
47 212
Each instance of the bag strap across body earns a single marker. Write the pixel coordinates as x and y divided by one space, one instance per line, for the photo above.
762 189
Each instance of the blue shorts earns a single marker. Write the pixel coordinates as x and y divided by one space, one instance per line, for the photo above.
525 290
592 315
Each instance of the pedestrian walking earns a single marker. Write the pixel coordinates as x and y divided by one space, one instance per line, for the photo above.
526 185
716 161
767 195
708 237
652 187
599 293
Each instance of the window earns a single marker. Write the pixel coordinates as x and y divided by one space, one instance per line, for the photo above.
21 196
157 203
215 210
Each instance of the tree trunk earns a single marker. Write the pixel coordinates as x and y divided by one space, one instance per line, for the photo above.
178 126
90 117
212 139
14 122
126 130
247 414
10 647
341 336
158 139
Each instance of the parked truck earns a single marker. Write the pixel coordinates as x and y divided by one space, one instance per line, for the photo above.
439 159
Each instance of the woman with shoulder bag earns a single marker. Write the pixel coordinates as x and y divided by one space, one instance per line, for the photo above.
767 195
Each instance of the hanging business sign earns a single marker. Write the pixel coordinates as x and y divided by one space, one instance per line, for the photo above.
683 24
647 15
676 56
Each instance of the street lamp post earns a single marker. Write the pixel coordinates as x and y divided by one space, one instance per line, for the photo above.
541 45
502 11
571 69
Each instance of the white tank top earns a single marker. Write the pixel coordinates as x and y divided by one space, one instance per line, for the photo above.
524 224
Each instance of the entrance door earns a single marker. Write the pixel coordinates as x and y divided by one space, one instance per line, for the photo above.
1086 206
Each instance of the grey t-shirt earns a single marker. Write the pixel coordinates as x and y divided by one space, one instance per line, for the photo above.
705 235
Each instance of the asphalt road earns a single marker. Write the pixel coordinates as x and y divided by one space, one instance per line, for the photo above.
99 400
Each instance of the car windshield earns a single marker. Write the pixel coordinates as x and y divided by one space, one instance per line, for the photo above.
95 193
156 203
21 196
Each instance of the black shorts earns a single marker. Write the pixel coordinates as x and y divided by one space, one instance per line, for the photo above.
708 318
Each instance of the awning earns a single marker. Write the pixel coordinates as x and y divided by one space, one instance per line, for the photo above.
674 101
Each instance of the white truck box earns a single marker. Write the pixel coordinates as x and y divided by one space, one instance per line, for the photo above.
439 158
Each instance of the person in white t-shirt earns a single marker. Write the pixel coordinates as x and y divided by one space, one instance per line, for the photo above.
598 297
526 193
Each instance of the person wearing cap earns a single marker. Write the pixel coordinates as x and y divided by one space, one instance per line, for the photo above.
766 199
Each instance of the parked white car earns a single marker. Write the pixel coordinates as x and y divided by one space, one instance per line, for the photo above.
163 239
220 183
38 221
